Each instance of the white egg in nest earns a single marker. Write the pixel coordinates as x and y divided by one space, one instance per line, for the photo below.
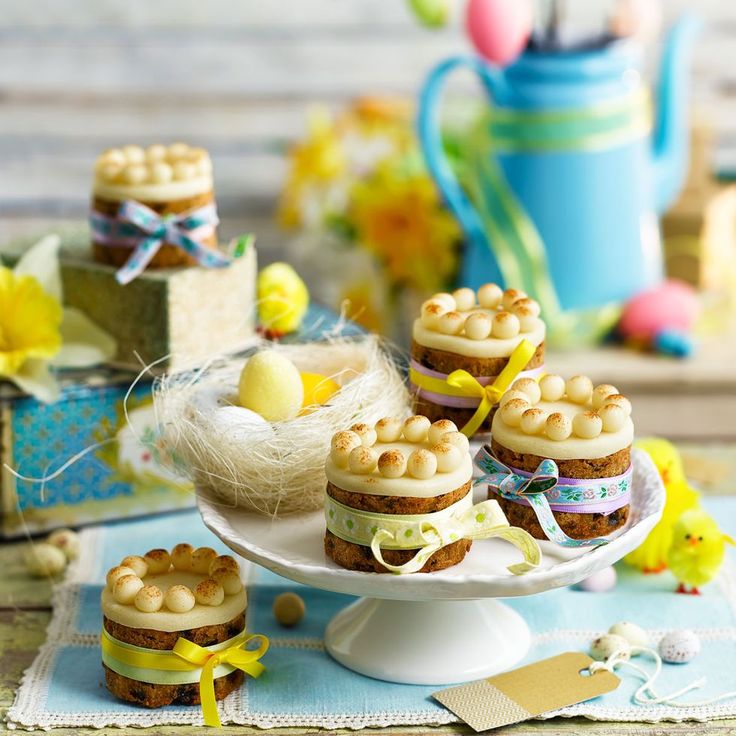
241 426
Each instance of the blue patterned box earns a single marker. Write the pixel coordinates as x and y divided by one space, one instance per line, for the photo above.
117 477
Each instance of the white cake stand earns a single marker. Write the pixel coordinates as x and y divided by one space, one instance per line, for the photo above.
428 628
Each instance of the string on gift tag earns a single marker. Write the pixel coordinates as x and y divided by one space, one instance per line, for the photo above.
645 694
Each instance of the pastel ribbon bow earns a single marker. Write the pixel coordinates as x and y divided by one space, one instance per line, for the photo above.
235 656
485 520
461 383
533 488
180 230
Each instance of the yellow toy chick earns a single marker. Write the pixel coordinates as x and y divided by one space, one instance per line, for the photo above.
651 555
697 551
283 299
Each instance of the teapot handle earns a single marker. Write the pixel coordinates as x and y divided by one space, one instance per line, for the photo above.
430 138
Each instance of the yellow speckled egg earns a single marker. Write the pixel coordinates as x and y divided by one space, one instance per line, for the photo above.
271 386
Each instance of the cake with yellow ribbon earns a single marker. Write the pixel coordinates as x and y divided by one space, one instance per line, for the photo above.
559 462
468 347
174 629
399 499
153 208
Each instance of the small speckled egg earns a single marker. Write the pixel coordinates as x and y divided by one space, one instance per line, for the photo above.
601 392
612 417
224 562
431 312
512 411
679 646
229 580
448 300
149 599
44 559
416 428
422 464
179 599
633 633
67 541
126 588
558 427
510 296
209 593
599 582
604 646
115 573
440 428
366 433
271 386
552 387
288 609
392 464
158 561
489 296
448 457
458 439
451 323
505 325
533 421
388 429
464 299
512 394
478 326
528 386
202 559
137 564
587 425
343 443
579 389
362 460
181 556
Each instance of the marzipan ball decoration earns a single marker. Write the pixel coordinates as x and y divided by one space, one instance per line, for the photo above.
288 609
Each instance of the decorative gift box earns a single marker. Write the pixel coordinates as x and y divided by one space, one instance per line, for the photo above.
118 474
178 316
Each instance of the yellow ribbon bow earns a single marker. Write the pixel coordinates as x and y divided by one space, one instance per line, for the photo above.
235 656
462 383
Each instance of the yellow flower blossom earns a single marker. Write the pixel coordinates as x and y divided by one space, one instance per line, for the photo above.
30 322
402 222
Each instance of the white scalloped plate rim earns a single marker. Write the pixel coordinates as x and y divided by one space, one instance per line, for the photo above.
239 529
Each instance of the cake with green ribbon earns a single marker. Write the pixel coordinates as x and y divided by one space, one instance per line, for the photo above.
399 499
559 462
468 347
174 629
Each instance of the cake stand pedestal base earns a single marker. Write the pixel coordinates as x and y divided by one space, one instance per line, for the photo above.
427 642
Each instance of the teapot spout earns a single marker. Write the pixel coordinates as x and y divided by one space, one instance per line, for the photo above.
670 139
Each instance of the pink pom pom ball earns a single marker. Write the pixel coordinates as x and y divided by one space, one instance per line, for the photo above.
499 29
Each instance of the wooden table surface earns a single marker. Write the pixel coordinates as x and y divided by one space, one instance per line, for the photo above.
25 612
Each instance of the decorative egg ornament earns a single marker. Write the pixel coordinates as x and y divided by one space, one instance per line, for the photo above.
679 646
271 386
499 29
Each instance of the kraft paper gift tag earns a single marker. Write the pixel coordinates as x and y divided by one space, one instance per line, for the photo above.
527 692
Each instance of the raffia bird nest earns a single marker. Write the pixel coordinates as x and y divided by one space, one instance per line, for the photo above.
278 468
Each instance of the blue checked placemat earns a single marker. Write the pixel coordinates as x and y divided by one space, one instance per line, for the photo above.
302 686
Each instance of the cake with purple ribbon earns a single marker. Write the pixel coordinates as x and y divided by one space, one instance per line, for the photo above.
559 462
468 347
154 208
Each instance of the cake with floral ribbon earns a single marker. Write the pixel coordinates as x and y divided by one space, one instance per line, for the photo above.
399 499
174 629
468 347
559 462
154 208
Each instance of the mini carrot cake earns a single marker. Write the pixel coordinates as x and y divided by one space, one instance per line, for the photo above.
481 333
134 190
399 499
587 431
153 603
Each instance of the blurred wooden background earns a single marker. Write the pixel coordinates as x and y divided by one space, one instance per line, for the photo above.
236 76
